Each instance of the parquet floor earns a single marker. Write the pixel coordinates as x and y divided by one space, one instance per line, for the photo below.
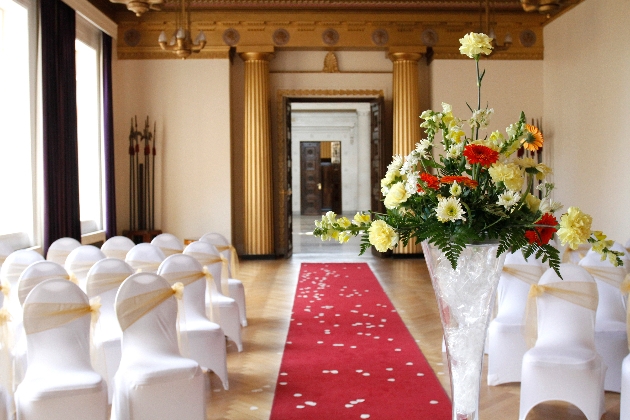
270 287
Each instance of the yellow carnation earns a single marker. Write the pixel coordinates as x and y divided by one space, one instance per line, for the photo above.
510 174
382 236
396 195
575 227
474 44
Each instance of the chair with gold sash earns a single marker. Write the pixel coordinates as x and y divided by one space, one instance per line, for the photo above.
10 272
574 255
6 397
220 308
102 281
79 262
117 247
506 343
33 275
145 257
60 382
563 363
205 339
611 338
235 287
5 251
59 250
168 243
154 381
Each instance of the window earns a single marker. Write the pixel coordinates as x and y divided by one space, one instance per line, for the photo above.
17 128
89 125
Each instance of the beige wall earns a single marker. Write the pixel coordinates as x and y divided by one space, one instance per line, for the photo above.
587 111
190 101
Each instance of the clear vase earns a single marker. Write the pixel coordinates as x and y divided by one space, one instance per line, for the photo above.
465 298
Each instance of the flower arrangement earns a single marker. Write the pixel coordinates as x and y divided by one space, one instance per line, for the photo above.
477 189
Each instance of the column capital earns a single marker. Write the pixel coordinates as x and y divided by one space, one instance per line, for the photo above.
256 52
406 53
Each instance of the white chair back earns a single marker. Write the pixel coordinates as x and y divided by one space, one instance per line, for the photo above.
10 272
186 269
59 250
5 251
609 278
145 257
37 273
117 247
79 262
517 277
208 256
168 243
224 247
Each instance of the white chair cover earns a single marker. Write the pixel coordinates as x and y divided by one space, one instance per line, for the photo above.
5 251
145 257
10 272
206 340
563 364
103 281
153 380
168 243
79 262
60 382
117 247
6 342
235 287
59 250
624 409
574 255
6 404
611 338
220 309
506 343
33 275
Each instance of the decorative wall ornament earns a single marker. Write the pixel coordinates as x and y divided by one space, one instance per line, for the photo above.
132 37
231 37
330 37
281 37
330 63
429 37
527 38
380 37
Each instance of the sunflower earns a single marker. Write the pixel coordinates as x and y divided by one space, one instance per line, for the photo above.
533 139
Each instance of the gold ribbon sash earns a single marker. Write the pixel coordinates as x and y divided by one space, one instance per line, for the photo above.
15 270
2 260
566 256
233 258
6 343
57 254
102 282
42 316
116 253
5 288
625 289
170 251
529 274
79 269
26 284
144 266
580 293
206 260
132 309
611 275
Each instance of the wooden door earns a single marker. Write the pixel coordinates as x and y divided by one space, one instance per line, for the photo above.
288 192
331 187
310 179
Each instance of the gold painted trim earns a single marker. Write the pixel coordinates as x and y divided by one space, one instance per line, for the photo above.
319 72
280 151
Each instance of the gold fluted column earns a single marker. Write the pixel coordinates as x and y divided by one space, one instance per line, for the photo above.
406 108
258 237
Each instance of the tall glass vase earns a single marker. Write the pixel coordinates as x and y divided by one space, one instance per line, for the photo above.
465 298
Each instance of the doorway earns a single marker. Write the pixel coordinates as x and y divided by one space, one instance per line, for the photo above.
320 177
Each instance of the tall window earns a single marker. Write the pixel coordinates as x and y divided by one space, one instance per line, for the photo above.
89 125
17 109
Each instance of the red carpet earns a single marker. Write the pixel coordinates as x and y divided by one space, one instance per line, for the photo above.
349 356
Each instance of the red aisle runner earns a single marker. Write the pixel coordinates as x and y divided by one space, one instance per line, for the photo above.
349 356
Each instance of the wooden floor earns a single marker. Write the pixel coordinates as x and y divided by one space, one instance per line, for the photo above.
270 287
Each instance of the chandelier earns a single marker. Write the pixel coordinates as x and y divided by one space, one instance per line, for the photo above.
507 41
541 6
139 7
181 42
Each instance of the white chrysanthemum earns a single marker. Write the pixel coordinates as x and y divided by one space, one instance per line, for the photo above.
508 199
410 165
454 151
455 189
449 209
411 186
421 149
397 162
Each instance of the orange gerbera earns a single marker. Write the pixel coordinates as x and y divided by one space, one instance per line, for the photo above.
431 181
463 180
477 153
542 235
533 139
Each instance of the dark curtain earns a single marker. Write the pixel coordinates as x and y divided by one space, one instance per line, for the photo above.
61 162
108 139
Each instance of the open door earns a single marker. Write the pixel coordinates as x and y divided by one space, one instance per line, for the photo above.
311 182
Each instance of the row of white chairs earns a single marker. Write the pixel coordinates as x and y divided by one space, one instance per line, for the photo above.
578 352
95 273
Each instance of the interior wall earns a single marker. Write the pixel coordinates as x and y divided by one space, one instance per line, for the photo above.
190 102
587 108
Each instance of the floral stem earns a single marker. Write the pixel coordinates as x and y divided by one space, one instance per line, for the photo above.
478 93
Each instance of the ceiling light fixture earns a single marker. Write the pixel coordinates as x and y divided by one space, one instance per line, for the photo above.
507 40
140 7
181 42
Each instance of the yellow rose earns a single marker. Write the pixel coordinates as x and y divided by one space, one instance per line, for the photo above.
474 44
575 227
510 174
396 195
533 203
361 218
382 236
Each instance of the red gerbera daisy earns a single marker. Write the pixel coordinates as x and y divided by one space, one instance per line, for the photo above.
543 235
431 181
477 153
462 180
